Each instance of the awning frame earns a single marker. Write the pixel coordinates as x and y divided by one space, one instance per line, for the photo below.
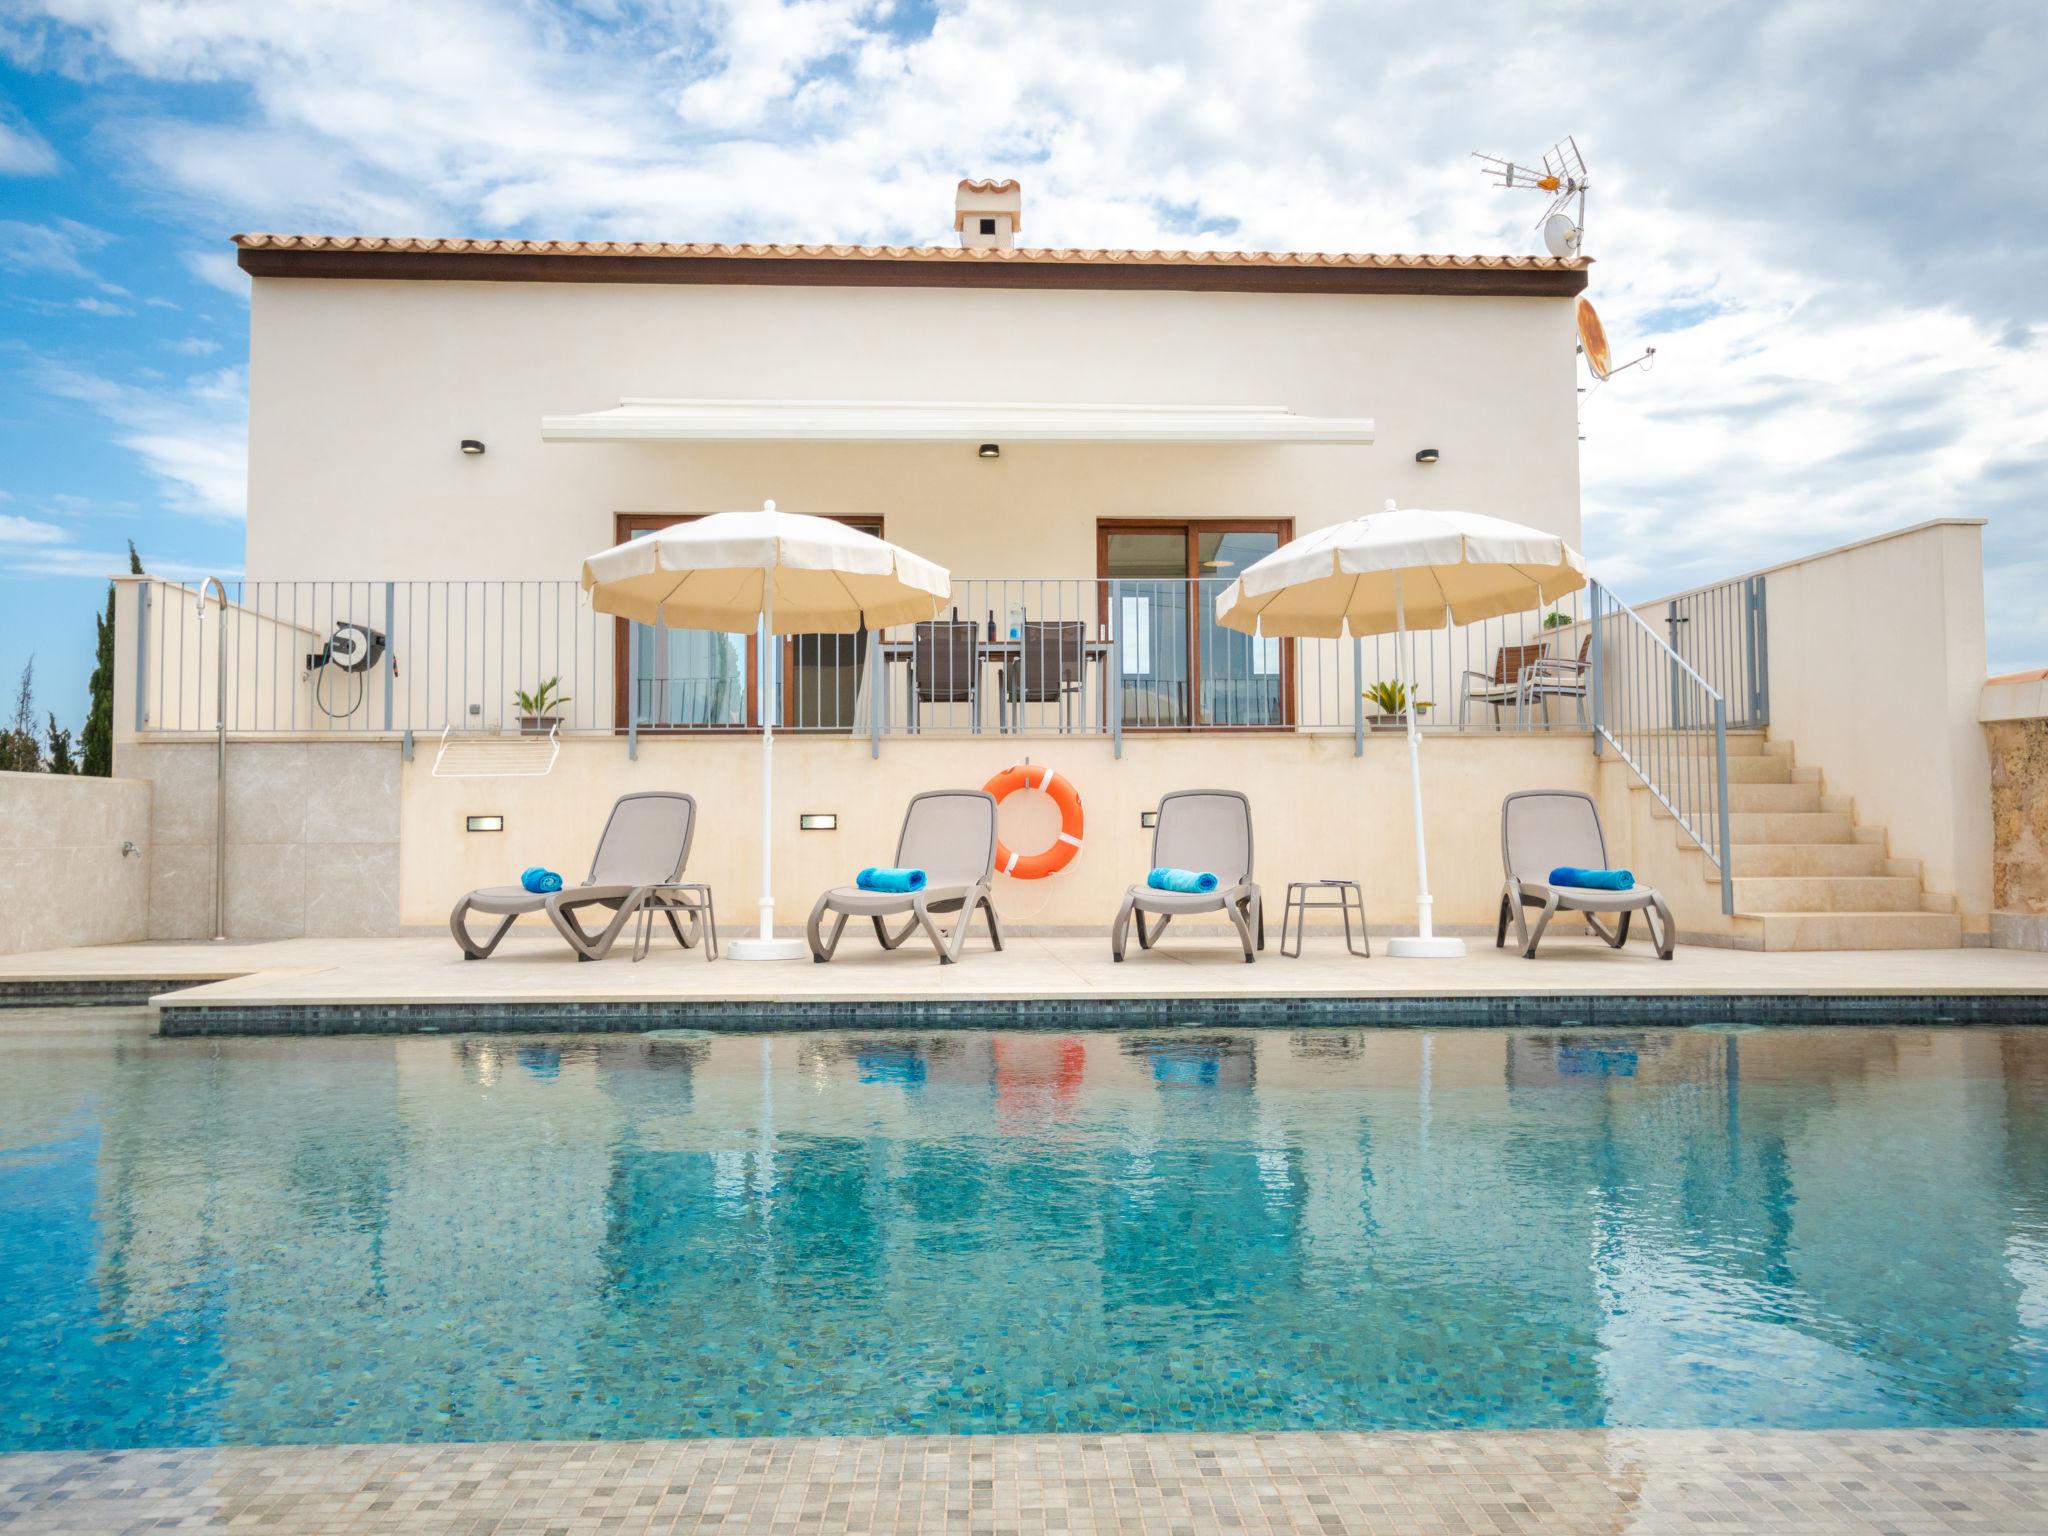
934 421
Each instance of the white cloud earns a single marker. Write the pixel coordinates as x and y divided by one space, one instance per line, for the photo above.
764 49
1792 203
192 436
218 269
27 530
23 151
194 346
52 247
100 307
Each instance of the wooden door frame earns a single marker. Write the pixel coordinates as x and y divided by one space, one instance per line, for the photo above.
624 526
1189 529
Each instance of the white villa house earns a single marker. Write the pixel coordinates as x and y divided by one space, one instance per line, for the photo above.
1092 442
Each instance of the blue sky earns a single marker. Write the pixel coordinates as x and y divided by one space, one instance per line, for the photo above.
1826 217
121 366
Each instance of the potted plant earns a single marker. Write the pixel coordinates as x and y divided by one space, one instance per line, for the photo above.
540 711
1557 618
1390 704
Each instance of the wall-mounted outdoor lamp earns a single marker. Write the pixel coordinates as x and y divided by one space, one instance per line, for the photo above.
818 821
1425 455
990 450
472 446
484 824
1148 818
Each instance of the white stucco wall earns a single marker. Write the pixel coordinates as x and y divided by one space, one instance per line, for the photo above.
1317 811
360 392
1877 662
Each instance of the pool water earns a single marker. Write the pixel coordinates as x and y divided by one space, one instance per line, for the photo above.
469 1238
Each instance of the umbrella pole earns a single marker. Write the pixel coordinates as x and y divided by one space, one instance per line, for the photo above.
766 946
1425 944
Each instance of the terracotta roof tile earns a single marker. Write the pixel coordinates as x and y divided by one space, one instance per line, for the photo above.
1023 255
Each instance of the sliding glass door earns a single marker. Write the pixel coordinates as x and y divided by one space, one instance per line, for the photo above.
697 679
1179 668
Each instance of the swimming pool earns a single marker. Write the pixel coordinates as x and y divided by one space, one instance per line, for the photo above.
379 1239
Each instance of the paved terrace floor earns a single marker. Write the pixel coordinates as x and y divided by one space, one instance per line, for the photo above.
1928 1482
420 970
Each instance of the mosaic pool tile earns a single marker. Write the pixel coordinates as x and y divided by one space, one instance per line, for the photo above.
1738 1483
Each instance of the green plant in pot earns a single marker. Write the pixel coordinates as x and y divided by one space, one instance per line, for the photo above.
1389 701
541 710
1557 618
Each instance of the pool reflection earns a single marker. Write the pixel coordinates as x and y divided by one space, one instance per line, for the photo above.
376 1239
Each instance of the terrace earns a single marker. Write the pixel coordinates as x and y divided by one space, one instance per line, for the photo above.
380 715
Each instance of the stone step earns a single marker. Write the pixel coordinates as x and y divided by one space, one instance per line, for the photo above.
1860 930
1783 796
1760 770
1782 826
1827 893
1792 827
1772 797
1804 860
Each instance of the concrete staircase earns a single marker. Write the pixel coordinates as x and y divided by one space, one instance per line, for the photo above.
1807 874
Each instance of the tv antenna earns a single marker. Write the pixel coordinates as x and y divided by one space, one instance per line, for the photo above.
1563 176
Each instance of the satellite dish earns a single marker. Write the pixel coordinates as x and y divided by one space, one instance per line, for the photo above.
1561 235
1593 341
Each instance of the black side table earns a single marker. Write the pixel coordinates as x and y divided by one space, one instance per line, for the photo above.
1299 906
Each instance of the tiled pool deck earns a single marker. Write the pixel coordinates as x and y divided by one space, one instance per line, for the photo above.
420 980
1896 1481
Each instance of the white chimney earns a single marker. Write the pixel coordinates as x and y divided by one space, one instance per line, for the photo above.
988 213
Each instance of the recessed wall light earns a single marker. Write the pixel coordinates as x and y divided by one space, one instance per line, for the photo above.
990 450
472 446
818 821
1148 818
1425 455
484 823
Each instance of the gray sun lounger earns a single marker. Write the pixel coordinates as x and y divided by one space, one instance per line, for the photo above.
1208 830
636 871
950 834
1544 829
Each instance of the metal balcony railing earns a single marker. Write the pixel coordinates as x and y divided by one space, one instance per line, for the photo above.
1010 655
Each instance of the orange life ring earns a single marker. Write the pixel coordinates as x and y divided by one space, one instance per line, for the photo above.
1036 866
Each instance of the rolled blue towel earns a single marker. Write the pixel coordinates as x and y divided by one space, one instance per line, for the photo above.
542 882
1593 879
1187 881
897 882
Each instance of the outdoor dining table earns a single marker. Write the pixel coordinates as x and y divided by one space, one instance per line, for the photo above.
1007 652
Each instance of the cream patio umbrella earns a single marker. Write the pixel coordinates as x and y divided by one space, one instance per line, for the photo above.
777 573
1397 570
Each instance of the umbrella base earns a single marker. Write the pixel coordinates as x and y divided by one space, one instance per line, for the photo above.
767 949
1409 946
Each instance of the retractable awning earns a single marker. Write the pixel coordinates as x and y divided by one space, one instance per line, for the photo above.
935 421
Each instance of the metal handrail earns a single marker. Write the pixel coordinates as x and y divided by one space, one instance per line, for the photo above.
1648 704
220 761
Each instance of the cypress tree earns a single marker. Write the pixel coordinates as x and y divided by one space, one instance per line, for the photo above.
97 744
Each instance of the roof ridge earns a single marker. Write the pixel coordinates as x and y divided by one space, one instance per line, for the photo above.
1028 255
